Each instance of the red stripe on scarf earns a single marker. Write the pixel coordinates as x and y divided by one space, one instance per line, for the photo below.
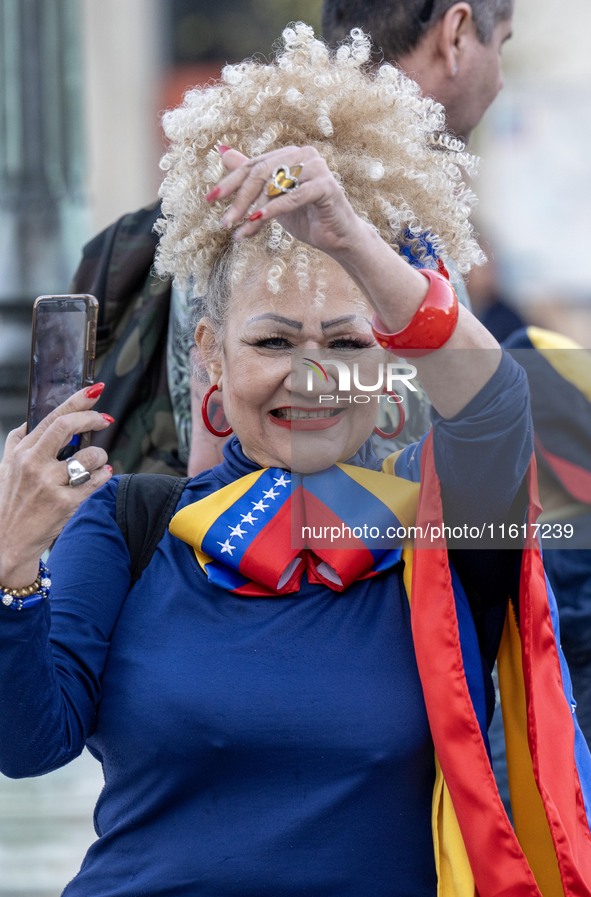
271 551
575 479
550 727
352 562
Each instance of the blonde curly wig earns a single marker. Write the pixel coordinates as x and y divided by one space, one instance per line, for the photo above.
383 142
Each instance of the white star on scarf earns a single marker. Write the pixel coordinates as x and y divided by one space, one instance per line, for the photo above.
237 531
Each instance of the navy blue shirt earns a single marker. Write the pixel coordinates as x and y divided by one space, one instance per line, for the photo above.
250 746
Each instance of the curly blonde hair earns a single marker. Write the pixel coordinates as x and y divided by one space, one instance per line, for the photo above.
383 142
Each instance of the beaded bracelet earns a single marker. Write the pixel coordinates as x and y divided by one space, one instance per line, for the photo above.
19 599
430 327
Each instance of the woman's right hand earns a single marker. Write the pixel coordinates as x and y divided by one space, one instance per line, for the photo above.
36 499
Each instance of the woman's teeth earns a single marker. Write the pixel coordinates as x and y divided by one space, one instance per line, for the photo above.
300 414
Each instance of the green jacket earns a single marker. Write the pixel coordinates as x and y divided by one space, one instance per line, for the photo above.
116 267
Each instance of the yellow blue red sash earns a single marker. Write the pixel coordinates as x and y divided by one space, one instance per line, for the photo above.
548 853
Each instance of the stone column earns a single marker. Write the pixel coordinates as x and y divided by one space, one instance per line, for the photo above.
42 209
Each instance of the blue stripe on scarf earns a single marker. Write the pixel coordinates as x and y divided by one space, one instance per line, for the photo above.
221 529
471 656
355 506
582 756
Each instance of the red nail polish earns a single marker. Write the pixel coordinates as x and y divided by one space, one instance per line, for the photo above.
109 468
213 194
94 391
108 418
222 148
256 215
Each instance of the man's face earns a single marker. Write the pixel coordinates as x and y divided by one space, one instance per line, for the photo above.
478 81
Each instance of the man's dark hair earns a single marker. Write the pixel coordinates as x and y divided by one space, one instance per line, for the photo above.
397 26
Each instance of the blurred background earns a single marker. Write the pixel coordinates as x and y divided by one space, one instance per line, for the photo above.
82 86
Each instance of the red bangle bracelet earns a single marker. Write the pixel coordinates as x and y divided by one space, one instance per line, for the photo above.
431 325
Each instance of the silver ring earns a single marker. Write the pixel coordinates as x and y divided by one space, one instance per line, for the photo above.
77 472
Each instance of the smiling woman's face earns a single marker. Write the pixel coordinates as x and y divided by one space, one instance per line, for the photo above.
271 396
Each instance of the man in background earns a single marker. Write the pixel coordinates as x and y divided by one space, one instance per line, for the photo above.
452 50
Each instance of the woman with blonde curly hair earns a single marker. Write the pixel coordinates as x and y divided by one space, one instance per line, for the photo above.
270 716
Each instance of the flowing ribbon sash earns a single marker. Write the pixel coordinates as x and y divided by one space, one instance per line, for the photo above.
548 854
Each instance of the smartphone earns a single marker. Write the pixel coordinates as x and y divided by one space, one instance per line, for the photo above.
63 348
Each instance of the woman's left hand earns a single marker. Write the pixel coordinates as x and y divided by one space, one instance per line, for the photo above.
316 211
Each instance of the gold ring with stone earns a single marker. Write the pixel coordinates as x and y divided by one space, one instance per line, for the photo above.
283 180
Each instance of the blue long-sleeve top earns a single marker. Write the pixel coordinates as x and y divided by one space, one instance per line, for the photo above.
250 746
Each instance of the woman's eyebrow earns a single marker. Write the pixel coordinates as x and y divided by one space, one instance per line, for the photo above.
345 319
297 325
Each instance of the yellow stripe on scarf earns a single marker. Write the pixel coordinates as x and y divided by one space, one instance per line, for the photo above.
529 817
573 366
398 494
183 524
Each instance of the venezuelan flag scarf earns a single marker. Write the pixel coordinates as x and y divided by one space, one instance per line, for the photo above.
242 536
258 535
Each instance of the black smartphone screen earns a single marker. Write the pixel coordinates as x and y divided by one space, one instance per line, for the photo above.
62 352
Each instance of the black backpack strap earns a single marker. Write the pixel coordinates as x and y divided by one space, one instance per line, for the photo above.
145 505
